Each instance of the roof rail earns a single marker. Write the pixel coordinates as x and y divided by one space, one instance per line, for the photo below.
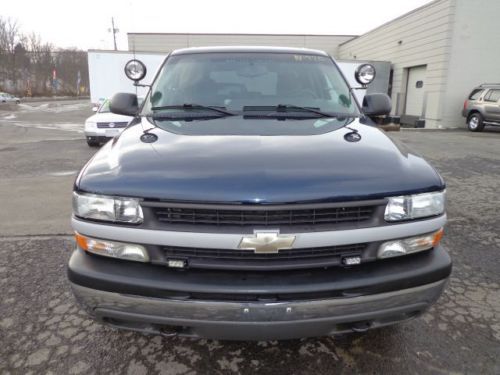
489 84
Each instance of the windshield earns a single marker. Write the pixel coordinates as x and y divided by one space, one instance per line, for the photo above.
239 81
105 107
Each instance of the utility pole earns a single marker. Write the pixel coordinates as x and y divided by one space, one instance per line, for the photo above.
114 31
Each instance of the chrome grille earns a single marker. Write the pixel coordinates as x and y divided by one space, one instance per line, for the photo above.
116 125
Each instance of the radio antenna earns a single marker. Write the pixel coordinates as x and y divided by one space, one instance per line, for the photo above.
133 46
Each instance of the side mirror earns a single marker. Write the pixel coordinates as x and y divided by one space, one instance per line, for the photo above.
124 104
376 105
95 108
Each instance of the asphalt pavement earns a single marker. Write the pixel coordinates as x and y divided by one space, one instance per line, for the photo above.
42 329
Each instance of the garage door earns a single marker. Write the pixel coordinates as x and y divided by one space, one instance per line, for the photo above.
415 90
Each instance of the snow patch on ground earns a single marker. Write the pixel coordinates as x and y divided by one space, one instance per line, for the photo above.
53 107
71 127
63 173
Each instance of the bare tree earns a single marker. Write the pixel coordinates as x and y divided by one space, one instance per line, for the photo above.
70 63
38 63
9 38
26 61
10 35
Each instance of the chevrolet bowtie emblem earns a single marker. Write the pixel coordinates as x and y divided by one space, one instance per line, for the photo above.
267 242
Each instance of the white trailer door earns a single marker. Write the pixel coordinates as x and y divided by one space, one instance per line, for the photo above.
415 91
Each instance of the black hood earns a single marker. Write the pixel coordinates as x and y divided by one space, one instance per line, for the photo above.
257 168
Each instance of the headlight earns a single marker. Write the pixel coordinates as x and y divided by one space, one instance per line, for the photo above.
415 206
410 245
98 207
112 249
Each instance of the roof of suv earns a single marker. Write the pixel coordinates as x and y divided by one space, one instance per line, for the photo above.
489 86
257 49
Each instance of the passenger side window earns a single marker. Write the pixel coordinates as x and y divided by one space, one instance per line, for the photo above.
475 94
492 96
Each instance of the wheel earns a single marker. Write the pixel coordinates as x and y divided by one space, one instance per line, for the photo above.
475 122
92 142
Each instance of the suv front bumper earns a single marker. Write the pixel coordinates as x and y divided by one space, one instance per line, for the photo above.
157 300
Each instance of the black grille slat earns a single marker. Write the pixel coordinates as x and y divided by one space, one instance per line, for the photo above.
242 217
117 125
227 257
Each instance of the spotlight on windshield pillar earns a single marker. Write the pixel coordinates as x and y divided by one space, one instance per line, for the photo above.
135 70
364 74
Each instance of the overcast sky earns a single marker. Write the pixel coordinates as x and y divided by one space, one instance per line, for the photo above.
85 23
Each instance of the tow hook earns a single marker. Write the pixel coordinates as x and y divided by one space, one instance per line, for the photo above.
168 332
361 326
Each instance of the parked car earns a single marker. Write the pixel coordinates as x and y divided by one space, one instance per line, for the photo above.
482 107
253 198
9 98
104 125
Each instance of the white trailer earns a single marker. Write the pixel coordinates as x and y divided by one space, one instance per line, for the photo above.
107 76
379 85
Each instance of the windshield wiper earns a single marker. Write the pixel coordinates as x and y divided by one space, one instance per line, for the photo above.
284 108
187 106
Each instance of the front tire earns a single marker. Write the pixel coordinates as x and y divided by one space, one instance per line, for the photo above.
475 122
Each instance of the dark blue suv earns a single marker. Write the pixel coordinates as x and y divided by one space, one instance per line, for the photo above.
252 197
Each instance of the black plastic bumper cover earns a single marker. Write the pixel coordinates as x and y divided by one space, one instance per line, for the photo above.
257 306
133 278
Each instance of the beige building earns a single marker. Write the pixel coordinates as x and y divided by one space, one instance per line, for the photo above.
163 42
438 52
